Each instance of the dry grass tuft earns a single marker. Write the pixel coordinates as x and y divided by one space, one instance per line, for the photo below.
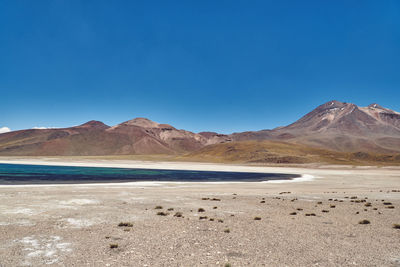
125 224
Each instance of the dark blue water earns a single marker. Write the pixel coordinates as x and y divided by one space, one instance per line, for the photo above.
14 174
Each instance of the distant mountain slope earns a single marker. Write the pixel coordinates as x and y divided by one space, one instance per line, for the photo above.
138 136
336 126
339 126
284 152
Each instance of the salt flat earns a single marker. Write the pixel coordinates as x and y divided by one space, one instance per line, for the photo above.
74 225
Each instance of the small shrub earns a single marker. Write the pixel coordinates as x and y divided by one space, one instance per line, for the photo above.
215 199
332 206
178 214
390 207
299 209
205 198
227 265
170 209
203 217
396 226
368 204
319 202
113 245
262 201
293 213
211 219
325 210
257 218
125 224
364 222
227 231
311 214
215 207
158 208
387 203
161 213
201 210
220 220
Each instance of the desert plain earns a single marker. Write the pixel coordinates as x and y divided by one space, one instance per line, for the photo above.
332 216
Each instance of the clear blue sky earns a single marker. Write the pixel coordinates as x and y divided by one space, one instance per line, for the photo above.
224 66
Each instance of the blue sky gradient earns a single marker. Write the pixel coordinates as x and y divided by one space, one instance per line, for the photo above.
223 66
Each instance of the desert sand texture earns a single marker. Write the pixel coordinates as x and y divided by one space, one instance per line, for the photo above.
332 216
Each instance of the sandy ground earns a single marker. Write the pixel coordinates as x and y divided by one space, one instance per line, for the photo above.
74 225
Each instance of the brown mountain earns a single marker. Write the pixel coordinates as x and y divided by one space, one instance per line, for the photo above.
334 126
138 136
341 127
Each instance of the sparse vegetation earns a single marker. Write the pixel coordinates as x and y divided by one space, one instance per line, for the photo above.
293 213
227 230
325 211
215 207
396 226
158 208
390 207
220 220
162 213
178 214
257 218
227 265
201 210
113 245
332 206
203 217
125 224
364 222
368 204
310 214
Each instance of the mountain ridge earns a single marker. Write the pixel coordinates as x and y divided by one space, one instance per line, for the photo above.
334 125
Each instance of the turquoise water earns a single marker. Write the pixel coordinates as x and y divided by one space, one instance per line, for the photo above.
11 174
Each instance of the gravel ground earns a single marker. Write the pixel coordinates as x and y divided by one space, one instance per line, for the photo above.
75 225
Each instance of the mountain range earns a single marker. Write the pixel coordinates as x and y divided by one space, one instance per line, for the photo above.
335 126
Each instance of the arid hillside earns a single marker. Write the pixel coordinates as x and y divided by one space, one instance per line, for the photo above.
335 132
